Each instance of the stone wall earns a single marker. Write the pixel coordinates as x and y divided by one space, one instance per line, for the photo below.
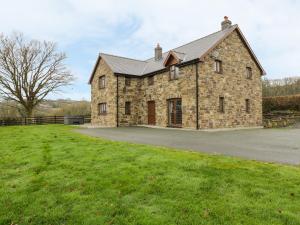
233 85
129 94
164 89
108 95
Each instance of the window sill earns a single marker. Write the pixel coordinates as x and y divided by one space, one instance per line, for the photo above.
102 114
174 126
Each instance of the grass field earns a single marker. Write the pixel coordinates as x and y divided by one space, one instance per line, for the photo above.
52 175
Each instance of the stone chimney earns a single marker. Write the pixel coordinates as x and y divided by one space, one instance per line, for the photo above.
158 53
226 23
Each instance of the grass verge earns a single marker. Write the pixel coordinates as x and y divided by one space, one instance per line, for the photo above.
51 175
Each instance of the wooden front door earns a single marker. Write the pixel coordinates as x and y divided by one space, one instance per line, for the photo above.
151 113
174 112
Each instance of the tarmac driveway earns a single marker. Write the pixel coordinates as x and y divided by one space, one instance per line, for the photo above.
271 145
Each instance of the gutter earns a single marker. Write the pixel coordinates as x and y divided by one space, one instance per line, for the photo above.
197 96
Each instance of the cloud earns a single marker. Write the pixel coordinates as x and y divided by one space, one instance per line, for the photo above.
133 27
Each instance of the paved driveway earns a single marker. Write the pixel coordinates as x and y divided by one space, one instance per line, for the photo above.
272 145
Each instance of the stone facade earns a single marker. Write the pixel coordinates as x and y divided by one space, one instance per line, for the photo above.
106 95
232 84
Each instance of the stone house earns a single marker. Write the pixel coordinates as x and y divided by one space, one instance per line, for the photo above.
212 82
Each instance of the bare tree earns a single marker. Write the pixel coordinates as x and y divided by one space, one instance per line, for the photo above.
30 70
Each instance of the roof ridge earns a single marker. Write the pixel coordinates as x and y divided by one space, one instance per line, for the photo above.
122 57
194 41
203 37
177 52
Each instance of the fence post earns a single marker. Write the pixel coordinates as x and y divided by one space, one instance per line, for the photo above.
55 119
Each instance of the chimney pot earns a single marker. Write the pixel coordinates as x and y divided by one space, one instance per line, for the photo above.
158 52
226 23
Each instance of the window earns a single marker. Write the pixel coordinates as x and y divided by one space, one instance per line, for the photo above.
150 80
102 108
221 105
249 73
175 112
218 66
127 81
127 108
247 105
174 72
102 82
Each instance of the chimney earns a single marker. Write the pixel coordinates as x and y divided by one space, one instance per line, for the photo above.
226 23
158 53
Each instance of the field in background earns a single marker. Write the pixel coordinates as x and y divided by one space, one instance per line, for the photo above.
51 175
48 108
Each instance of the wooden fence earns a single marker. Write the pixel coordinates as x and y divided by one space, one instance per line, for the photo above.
39 120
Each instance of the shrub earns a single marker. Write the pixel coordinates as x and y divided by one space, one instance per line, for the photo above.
291 102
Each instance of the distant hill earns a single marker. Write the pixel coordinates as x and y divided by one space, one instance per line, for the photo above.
58 107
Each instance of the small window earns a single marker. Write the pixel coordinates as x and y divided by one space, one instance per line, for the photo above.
150 80
102 108
102 82
247 105
127 108
218 66
174 72
127 81
221 105
249 73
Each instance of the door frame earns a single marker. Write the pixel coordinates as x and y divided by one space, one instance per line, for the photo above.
174 108
152 101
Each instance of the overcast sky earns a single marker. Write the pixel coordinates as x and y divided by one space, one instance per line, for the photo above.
131 28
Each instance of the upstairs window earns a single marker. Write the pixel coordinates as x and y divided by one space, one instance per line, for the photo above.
218 66
249 73
221 105
102 108
127 108
127 81
150 80
247 102
102 82
174 72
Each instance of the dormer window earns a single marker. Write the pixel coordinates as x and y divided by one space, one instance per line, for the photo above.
174 72
218 66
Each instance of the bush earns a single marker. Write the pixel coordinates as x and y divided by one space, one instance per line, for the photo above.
291 102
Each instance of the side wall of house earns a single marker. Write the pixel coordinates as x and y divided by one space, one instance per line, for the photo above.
233 85
106 95
164 89
129 94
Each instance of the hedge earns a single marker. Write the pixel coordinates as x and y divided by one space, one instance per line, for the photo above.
291 102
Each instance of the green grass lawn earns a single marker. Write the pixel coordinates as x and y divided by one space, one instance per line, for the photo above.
52 175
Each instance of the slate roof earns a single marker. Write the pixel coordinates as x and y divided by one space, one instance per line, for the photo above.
191 51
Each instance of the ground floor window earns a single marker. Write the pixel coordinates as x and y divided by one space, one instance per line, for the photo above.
175 112
102 108
221 105
247 102
127 108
